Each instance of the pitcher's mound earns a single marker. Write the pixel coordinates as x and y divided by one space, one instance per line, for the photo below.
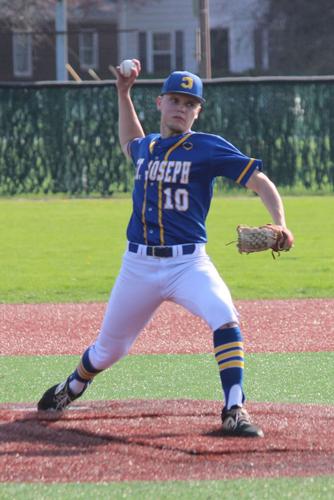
161 440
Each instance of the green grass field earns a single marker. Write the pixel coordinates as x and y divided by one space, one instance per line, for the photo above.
70 250
268 377
318 488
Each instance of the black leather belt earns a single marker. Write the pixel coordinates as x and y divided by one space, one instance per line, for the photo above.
162 251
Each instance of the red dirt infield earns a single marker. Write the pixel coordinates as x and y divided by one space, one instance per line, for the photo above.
131 440
300 325
161 440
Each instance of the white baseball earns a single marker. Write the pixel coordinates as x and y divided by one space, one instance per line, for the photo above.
126 67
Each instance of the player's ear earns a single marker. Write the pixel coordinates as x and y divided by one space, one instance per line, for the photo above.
158 102
199 110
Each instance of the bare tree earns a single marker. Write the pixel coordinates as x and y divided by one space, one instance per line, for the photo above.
31 15
25 15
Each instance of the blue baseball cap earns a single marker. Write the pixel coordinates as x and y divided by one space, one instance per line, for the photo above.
183 82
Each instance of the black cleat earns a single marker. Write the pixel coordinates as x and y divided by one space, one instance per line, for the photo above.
236 422
58 397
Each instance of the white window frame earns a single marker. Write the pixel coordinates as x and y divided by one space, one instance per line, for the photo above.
94 63
28 53
152 52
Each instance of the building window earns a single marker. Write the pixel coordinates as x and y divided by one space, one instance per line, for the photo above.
22 54
219 52
88 50
162 53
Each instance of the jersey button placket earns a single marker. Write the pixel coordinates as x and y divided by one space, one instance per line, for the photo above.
151 213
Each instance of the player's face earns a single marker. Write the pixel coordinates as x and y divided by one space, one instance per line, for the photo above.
178 113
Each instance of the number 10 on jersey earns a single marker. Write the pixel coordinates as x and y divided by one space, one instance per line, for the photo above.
176 199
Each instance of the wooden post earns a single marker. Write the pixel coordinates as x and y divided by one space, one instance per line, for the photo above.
205 63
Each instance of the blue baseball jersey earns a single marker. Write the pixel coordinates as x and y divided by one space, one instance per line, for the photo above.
174 182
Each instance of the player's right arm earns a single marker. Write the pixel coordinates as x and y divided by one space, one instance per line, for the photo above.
129 126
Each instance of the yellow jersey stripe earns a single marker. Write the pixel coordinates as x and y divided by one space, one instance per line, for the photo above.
223 347
176 145
231 364
230 354
245 170
151 146
162 236
143 212
171 149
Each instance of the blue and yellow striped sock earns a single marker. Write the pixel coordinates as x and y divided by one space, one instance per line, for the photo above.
83 374
229 353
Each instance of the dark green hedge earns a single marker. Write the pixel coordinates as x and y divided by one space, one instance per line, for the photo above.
63 138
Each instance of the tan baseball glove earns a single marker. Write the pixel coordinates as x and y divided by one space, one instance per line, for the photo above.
267 237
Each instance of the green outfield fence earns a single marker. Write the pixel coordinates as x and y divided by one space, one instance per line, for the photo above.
62 137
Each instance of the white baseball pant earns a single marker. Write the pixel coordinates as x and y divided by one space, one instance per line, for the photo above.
144 282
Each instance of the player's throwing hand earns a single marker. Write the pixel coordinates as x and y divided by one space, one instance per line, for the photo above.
124 81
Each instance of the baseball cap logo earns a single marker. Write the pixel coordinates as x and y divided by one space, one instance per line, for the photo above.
187 82
183 82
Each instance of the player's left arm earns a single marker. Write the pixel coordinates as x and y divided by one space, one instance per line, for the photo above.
129 126
267 191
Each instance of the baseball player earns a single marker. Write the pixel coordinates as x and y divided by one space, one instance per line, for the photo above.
165 257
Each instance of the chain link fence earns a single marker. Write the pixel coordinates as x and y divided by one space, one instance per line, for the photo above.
63 138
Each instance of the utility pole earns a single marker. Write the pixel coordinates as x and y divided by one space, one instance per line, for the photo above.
205 63
61 40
